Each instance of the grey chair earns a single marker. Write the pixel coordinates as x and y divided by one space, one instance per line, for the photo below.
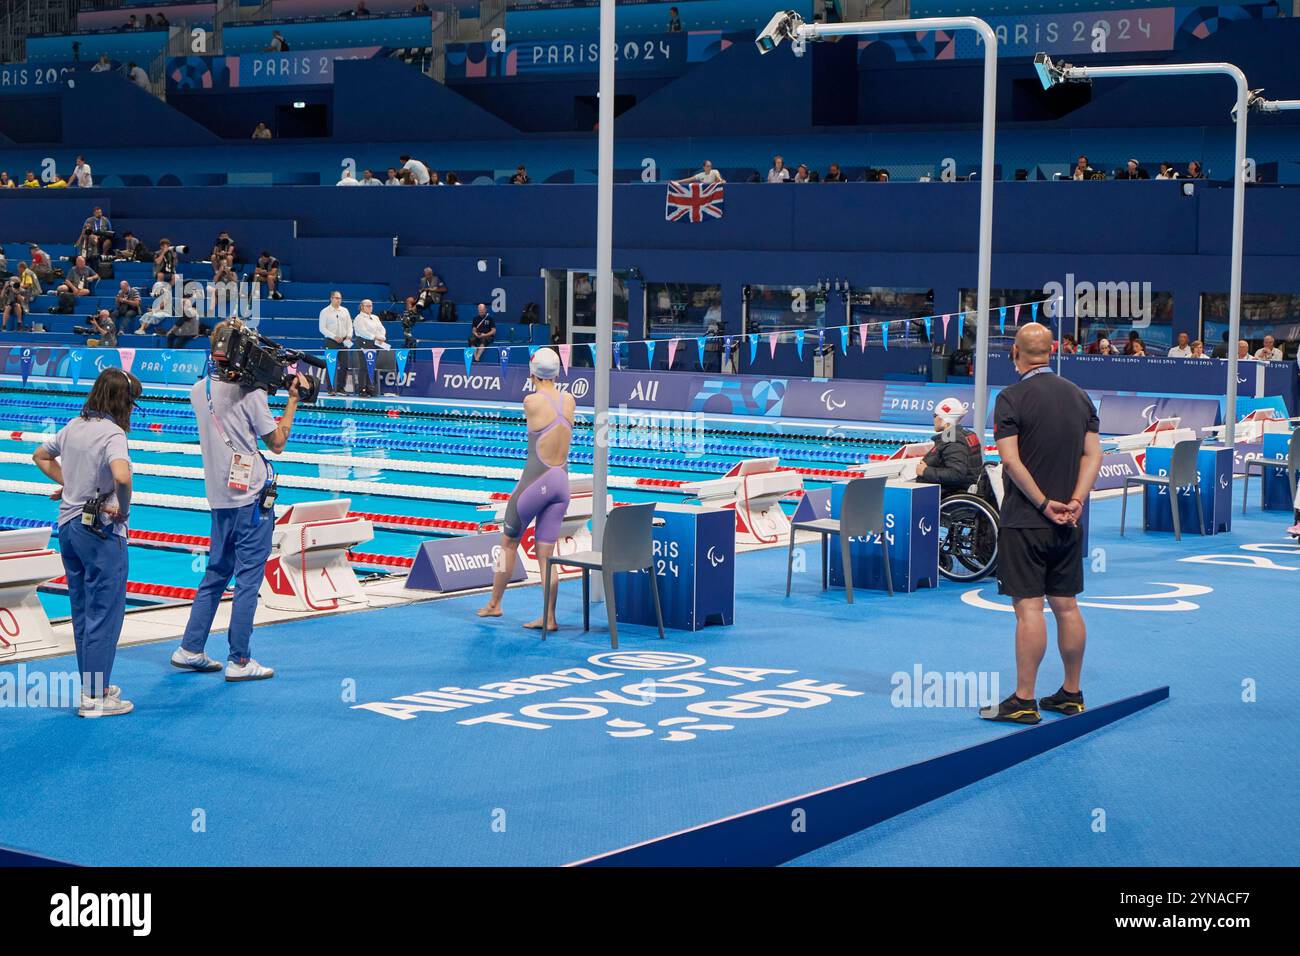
1182 472
1291 464
862 511
627 545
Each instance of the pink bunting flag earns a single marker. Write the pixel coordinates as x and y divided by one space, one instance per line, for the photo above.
1016 318
771 342
862 337
672 351
128 358
437 360
566 351
945 325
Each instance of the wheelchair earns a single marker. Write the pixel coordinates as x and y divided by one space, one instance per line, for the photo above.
968 528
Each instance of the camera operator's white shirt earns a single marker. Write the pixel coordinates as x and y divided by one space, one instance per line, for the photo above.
246 416
367 326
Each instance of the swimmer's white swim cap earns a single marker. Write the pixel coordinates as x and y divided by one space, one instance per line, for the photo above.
545 364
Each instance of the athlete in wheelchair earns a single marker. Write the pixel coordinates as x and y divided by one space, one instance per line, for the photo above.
970 492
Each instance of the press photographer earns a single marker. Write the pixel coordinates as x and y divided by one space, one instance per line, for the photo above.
233 414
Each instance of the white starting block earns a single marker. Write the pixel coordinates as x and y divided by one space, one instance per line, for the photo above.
575 529
308 569
753 489
26 562
1161 433
1253 427
901 464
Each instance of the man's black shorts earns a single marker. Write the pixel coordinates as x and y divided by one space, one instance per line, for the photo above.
1038 562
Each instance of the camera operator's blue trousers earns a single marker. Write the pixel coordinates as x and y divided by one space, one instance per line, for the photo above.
96 569
240 547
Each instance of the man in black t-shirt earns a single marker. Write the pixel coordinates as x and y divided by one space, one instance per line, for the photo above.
1046 430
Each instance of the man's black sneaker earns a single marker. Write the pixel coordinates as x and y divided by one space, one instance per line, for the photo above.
1013 710
1063 702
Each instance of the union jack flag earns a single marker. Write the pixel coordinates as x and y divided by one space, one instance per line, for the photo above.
693 202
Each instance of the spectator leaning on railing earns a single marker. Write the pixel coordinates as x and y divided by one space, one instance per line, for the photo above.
707 174
419 172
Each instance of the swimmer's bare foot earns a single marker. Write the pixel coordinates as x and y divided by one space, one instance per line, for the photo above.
489 610
537 625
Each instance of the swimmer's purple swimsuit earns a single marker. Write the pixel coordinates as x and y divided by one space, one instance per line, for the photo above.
543 490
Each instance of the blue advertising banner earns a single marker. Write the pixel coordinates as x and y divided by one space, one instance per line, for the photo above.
217 73
1069 33
1115 467
26 79
457 564
1130 414
695 571
664 55
1214 485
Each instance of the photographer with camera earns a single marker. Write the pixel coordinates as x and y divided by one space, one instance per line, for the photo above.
410 318
164 259
89 459
231 405
103 326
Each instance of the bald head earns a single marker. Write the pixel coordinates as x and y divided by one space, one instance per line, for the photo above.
1033 345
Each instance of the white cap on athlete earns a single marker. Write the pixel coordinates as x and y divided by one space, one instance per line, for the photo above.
545 364
950 410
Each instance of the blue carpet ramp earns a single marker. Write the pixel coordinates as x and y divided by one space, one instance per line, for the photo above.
776 834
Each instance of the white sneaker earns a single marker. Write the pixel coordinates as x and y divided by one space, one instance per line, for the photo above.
194 662
106 706
249 671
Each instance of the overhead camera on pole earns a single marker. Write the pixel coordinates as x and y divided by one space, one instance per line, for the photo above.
1256 103
783 26
1051 74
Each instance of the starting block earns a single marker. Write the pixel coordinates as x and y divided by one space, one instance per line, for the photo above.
900 465
753 489
308 569
1252 428
575 529
26 562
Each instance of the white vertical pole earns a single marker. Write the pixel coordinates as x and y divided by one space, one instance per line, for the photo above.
604 274
986 233
1234 291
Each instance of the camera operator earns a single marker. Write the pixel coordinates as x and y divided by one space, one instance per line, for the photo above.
103 325
240 486
411 317
88 458
164 259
